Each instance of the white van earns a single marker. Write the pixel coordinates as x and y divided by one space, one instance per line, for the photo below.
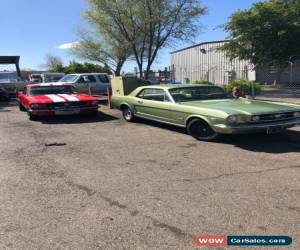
98 82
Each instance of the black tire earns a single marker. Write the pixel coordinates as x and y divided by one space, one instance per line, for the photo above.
128 114
33 117
93 114
201 130
21 107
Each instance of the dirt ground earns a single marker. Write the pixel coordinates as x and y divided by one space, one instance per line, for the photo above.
102 183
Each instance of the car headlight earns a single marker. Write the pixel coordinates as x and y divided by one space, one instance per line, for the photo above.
256 118
34 106
297 114
237 119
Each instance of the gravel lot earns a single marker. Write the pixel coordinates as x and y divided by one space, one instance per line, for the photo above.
102 183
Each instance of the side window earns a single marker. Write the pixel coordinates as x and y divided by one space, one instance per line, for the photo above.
91 78
80 80
154 95
87 79
141 94
167 99
103 78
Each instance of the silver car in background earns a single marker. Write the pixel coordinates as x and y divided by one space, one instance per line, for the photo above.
96 82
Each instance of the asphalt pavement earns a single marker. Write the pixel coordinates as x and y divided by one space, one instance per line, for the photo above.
103 183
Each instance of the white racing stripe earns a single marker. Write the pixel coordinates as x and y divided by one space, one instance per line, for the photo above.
56 98
69 98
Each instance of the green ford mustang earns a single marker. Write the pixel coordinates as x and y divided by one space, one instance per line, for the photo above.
206 111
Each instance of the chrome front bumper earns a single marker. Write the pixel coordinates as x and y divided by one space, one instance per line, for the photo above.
53 111
227 129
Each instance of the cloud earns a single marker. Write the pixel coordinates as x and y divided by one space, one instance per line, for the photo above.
67 45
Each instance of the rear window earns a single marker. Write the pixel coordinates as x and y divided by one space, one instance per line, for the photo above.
103 78
50 90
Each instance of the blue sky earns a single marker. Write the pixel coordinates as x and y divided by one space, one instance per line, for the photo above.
34 28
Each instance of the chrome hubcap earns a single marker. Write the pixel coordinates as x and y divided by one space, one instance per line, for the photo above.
127 114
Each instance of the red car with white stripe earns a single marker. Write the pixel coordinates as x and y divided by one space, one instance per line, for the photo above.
49 99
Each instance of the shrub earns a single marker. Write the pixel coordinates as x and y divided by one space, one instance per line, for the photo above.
203 82
245 86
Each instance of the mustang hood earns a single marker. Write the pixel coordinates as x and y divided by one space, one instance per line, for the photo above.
61 98
246 106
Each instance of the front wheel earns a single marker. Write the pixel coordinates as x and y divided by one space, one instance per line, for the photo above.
128 114
201 130
33 117
21 107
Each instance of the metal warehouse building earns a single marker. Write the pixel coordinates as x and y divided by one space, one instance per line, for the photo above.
205 62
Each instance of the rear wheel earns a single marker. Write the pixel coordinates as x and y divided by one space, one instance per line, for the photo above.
21 107
128 114
201 130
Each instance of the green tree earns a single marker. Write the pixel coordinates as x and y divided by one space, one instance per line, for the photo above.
104 49
146 26
76 67
269 32
58 68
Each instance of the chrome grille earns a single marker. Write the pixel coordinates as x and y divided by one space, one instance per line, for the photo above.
66 104
273 117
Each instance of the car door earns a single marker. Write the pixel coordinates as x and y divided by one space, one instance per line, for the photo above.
104 82
154 104
82 84
85 82
94 84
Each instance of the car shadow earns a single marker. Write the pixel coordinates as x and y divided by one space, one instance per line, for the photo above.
286 142
160 125
7 104
77 119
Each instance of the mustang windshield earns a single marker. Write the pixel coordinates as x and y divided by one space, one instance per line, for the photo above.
50 90
200 93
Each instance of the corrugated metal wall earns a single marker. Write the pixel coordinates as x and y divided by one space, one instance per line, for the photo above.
206 62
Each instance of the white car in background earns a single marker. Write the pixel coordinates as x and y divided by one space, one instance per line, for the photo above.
45 77
97 82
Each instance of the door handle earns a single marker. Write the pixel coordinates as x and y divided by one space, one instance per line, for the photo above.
140 102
